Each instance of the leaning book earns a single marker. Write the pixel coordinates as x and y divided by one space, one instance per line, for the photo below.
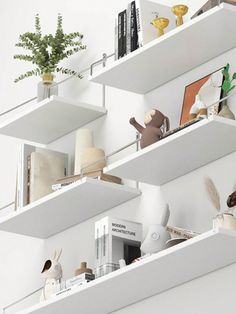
38 169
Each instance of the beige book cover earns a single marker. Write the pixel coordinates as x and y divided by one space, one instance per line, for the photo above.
45 169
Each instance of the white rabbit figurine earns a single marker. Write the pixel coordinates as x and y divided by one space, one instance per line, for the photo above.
157 235
52 273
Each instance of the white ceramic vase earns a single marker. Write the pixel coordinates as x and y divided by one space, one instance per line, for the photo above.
84 140
225 220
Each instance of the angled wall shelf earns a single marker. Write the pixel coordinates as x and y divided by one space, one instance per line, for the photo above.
50 119
180 153
171 55
67 207
164 270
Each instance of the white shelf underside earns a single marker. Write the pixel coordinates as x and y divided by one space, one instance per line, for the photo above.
171 55
65 208
162 271
50 119
180 153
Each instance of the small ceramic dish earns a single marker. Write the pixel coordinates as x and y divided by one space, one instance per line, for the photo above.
174 241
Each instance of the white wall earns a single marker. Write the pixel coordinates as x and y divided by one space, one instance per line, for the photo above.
21 258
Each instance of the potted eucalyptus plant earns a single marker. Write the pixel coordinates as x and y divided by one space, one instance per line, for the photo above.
46 52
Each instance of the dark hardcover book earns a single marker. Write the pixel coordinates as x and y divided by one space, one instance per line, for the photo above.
131 252
125 34
133 26
121 34
128 31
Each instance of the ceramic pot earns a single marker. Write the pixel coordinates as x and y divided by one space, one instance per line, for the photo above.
226 221
83 269
92 159
83 140
225 112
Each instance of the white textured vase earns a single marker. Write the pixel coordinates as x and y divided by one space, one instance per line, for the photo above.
92 159
84 140
226 221
226 112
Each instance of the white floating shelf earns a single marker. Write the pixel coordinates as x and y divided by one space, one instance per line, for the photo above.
67 207
180 153
50 119
167 269
171 55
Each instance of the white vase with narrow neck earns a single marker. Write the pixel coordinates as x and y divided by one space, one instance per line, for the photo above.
226 112
47 87
157 235
83 140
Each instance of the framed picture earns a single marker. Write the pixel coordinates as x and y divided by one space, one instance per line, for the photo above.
211 4
208 88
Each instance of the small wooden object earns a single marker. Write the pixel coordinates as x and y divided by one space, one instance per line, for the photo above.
83 269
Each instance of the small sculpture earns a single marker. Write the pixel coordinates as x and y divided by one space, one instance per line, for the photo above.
198 109
179 10
157 235
83 269
160 23
52 273
226 218
154 121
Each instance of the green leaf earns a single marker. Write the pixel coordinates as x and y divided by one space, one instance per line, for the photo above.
226 85
234 76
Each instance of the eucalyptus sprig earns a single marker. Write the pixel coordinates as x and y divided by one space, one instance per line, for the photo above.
227 85
47 51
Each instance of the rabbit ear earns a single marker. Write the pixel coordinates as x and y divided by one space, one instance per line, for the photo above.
58 254
54 257
234 187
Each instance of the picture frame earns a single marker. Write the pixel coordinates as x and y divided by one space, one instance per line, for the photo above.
211 4
208 88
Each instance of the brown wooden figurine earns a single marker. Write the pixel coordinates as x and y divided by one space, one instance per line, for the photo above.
156 125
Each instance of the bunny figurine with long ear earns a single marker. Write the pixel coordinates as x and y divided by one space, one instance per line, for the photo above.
52 273
157 235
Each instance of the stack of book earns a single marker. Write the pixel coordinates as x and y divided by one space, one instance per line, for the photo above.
74 282
133 27
180 232
115 239
99 175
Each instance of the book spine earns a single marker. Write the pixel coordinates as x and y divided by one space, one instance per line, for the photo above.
116 39
125 34
105 241
133 26
128 30
139 23
28 178
97 244
120 40
188 234
122 19
19 188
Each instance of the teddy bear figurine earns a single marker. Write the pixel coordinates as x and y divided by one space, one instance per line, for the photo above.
156 124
